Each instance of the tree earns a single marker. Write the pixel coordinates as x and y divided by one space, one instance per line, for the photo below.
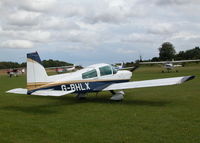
54 63
155 59
46 63
189 54
193 53
180 56
167 51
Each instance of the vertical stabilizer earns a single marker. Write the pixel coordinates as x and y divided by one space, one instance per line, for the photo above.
36 73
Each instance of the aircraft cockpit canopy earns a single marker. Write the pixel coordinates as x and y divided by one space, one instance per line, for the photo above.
103 71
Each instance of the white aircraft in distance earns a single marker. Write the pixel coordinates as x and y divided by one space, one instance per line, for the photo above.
169 65
94 78
62 69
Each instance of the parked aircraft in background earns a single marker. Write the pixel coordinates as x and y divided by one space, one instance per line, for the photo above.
15 72
94 78
169 65
62 69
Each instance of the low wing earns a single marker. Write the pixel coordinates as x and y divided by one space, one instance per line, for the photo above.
40 92
148 83
161 62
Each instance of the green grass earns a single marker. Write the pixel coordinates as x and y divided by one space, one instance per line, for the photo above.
155 115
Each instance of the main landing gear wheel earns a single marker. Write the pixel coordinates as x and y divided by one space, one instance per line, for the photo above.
117 96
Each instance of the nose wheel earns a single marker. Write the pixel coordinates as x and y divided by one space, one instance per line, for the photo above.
117 96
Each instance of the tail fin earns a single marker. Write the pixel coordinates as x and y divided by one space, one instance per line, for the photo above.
36 73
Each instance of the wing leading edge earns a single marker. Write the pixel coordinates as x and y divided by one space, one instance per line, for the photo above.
148 83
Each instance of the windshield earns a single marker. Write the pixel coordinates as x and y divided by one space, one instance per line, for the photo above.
114 70
106 70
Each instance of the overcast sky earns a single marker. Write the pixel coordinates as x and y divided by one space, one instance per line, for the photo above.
92 31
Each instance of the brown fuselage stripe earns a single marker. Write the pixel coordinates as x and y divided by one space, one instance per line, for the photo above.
37 85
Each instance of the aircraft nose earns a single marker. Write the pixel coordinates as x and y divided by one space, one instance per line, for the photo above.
128 74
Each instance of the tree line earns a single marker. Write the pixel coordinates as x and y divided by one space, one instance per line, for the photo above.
167 52
8 65
46 63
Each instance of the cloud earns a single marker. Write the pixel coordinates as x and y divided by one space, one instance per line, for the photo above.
161 29
23 18
34 36
77 47
138 38
126 51
58 23
102 26
186 36
17 44
80 36
176 2
30 5
114 12
38 5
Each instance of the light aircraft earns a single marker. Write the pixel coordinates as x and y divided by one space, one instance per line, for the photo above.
119 66
15 72
71 68
94 78
169 65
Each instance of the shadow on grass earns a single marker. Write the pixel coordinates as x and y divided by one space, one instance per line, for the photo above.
147 103
49 107
69 100
29 109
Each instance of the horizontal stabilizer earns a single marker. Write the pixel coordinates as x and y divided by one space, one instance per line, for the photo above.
177 65
18 91
51 92
149 83
161 62
40 92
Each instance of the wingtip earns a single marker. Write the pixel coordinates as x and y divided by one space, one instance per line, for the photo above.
187 78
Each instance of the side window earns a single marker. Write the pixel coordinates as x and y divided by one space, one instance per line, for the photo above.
106 70
89 74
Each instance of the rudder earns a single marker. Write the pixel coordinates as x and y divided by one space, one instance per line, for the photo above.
36 73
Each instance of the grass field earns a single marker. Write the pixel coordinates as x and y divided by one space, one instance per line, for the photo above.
169 114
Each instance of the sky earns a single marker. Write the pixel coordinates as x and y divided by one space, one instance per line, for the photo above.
86 32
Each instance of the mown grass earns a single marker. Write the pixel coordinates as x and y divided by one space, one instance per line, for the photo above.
155 115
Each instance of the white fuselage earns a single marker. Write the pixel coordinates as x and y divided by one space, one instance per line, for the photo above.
78 75
168 66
